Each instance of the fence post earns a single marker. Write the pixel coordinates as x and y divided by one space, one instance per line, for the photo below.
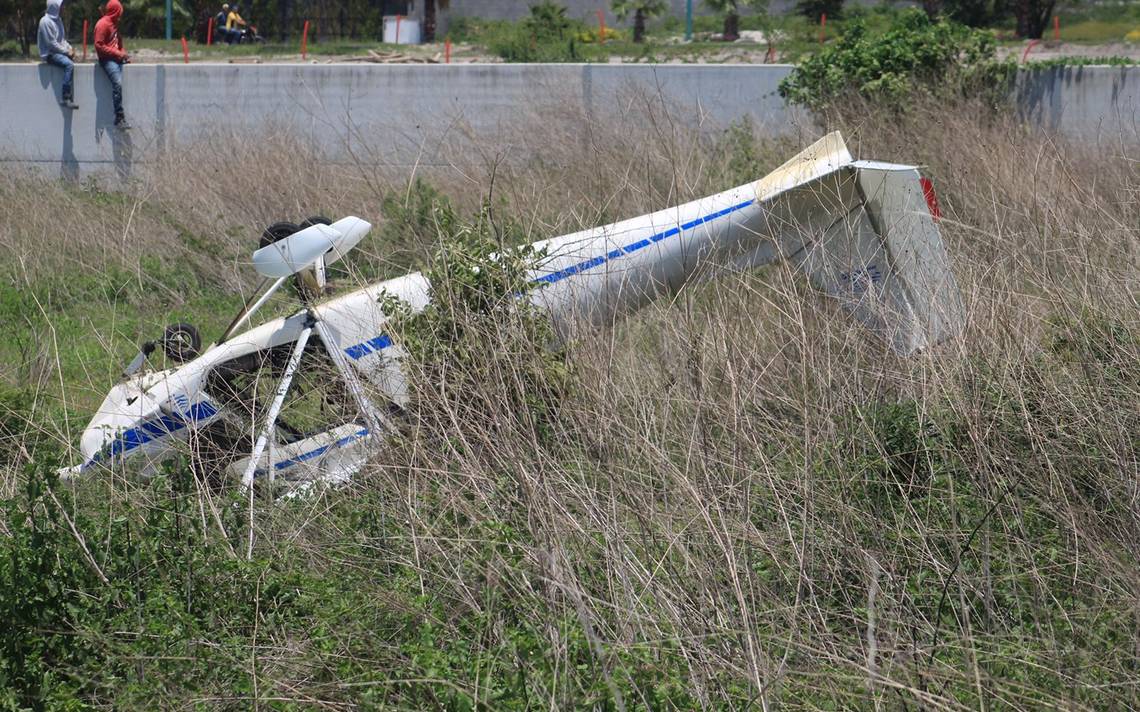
1056 28
85 40
602 26
210 32
822 26
305 41
185 51
398 18
447 51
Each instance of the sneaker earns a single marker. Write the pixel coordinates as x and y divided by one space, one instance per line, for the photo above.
68 103
121 123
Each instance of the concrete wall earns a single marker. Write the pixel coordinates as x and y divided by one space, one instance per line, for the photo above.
399 114
1091 103
424 114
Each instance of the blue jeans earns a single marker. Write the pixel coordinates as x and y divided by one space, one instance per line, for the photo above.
114 70
63 62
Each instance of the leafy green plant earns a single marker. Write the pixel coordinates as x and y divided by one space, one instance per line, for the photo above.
916 55
37 570
547 21
477 327
546 35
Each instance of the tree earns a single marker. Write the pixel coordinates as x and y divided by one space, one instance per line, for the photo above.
1033 17
641 11
815 9
731 11
145 18
21 18
547 21
977 13
431 11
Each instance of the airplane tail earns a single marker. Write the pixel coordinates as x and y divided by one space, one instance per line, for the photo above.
864 232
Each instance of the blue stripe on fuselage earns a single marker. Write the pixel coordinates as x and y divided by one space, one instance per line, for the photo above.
151 430
317 452
383 341
593 262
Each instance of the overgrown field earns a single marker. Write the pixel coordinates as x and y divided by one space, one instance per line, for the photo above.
736 499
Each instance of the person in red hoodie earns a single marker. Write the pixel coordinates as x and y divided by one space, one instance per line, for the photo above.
112 56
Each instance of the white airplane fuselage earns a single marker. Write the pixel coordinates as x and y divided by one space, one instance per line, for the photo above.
862 232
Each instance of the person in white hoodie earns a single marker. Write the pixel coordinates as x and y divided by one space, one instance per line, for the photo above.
55 49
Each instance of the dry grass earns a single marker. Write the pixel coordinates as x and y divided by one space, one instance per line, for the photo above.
744 502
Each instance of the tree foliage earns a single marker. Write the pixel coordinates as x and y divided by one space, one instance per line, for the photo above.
1033 17
914 55
280 19
815 9
478 325
731 10
641 10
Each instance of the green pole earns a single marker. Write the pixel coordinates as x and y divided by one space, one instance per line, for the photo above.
169 12
688 20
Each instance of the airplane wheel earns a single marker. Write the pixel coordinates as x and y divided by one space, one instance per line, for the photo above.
181 342
315 220
277 231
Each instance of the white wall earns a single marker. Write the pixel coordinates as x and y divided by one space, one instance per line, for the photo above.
425 113
419 112
1092 103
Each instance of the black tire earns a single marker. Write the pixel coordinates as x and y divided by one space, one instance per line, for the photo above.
315 220
181 342
277 231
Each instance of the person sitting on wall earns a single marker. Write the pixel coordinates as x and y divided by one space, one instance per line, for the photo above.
234 23
55 49
112 56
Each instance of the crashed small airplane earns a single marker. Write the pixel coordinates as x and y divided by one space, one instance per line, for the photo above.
863 232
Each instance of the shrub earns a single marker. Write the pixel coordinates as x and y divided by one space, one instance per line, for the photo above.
546 35
477 331
915 55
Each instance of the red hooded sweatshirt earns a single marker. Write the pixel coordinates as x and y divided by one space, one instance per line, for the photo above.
108 44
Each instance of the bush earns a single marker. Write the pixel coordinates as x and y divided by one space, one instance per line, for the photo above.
477 329
916 55
547 35
10 49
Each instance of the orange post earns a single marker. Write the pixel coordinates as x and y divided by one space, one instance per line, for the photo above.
1056 28
210 32
602 26
398 18
447 51
822 26
85 40
185 51
305 41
